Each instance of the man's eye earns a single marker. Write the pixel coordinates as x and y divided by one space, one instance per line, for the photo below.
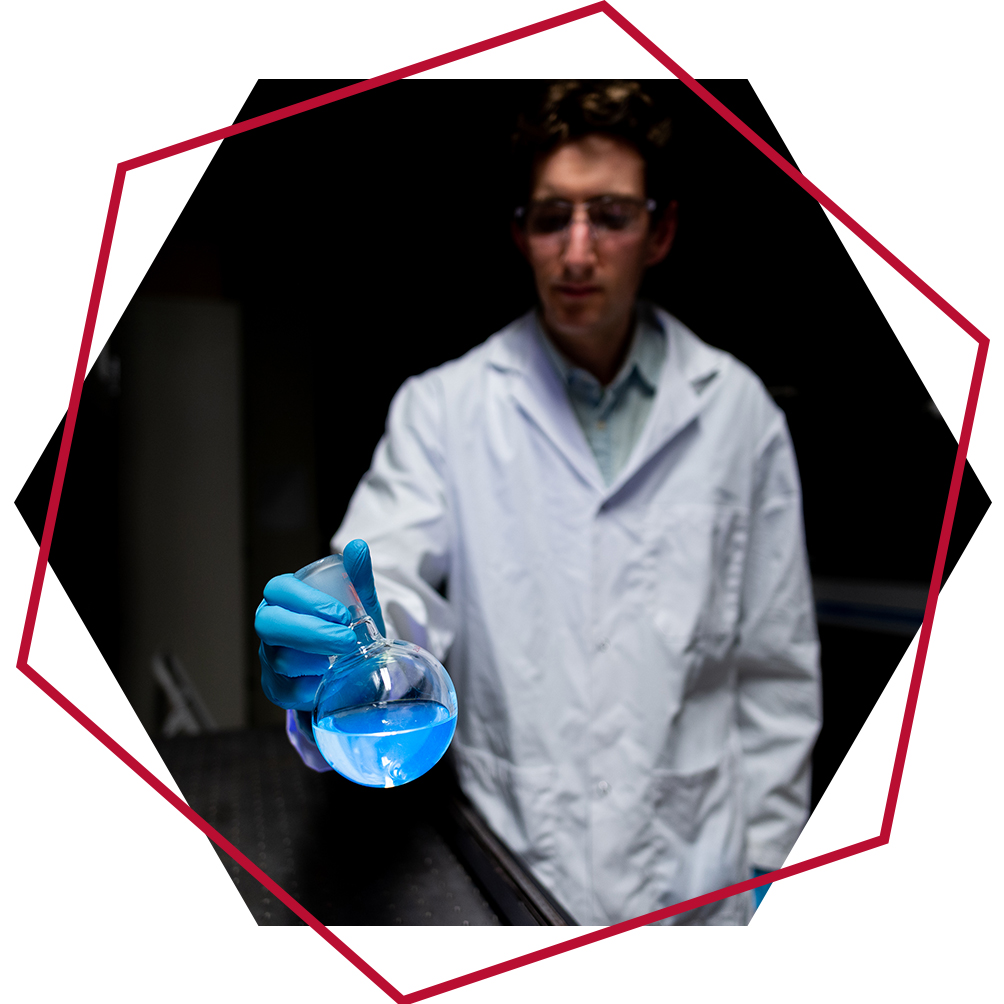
613 216
549 221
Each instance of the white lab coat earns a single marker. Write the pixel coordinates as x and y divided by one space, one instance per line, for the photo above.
636 665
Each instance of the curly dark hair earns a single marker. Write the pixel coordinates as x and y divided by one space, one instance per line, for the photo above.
571 109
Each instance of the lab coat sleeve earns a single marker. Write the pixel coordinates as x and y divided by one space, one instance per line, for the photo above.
779 689
400 508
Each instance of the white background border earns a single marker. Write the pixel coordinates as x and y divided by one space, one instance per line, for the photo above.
891 108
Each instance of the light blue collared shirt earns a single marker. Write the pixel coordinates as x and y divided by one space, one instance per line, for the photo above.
613 417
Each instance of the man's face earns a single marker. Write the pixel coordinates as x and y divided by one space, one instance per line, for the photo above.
587 276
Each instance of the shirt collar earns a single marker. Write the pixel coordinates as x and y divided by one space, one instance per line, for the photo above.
643 362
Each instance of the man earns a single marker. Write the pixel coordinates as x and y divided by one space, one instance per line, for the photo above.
597 517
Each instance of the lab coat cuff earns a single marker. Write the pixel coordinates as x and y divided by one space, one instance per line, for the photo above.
766 857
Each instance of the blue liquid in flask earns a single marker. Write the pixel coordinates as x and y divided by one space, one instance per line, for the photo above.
387 743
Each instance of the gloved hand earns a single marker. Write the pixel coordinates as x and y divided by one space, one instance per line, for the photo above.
761 890
300 627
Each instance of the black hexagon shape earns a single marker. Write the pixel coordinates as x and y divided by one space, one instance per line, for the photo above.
367 240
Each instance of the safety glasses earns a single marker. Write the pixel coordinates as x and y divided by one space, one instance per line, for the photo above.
550 219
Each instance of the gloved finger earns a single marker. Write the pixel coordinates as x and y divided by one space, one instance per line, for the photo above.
359 566
279 626
289 592
292 662
292 693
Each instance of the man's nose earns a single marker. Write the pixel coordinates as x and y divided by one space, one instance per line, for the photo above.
580 245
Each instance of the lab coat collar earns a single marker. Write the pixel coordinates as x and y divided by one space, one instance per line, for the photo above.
539 393
689 374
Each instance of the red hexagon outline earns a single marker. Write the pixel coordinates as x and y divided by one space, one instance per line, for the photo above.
345 92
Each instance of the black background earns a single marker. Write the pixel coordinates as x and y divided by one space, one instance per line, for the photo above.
369 240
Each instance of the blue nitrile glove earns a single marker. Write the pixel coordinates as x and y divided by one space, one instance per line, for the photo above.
300 627
761 890
360 568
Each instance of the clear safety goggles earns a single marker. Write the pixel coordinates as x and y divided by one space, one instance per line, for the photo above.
607 215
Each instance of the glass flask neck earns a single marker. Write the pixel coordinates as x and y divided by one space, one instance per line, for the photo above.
329 576
368 638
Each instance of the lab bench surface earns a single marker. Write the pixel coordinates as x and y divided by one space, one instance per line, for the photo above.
414 855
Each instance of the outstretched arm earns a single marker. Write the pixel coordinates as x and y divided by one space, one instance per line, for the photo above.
401 507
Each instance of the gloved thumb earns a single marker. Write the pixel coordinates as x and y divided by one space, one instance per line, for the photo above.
359 566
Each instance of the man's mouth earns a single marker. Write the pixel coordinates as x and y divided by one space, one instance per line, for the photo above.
576 290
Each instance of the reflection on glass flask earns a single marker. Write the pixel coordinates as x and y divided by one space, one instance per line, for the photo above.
386 713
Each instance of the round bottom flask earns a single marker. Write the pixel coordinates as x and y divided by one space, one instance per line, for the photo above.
385 713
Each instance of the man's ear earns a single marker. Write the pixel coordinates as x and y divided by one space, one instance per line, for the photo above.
519 237
660 240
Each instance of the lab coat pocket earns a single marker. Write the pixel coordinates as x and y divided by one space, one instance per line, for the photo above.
685 803
698 552
519 803
698 834
537 799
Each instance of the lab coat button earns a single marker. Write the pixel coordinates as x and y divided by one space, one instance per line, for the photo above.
602 787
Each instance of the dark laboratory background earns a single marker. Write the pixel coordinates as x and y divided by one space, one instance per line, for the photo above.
321 260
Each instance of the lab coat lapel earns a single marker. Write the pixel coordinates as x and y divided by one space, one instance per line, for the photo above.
688 376
539 394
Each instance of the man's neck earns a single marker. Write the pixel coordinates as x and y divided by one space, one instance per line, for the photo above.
601 353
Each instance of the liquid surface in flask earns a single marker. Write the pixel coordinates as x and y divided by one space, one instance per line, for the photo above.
387 743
